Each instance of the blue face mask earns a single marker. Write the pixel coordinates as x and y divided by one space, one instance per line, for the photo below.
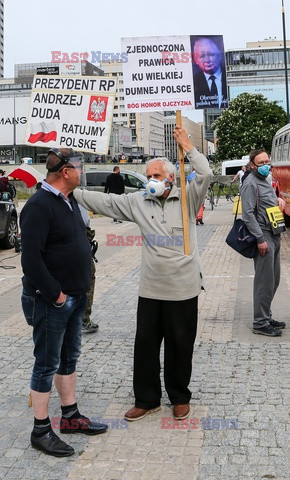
264 170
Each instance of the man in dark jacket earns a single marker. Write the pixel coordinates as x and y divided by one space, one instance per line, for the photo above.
56 262
115 184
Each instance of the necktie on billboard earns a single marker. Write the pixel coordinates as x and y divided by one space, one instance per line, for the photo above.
213 88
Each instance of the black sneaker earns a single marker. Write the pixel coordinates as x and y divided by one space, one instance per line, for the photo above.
269 331
89 327
276 324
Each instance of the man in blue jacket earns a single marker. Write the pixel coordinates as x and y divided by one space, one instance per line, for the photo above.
56 262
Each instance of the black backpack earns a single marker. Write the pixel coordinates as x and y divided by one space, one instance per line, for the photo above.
11 189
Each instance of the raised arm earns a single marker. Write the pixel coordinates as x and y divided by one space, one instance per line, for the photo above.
197 188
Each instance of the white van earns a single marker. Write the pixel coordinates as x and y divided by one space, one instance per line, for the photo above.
231 167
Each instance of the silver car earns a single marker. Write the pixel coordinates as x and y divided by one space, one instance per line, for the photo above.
96 180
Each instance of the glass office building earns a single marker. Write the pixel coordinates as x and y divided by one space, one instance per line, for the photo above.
257 68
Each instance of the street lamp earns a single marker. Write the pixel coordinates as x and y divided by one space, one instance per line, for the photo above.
285 61
14 127
139 140
155 133
14 132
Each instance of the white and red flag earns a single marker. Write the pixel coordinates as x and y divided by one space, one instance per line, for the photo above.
42 132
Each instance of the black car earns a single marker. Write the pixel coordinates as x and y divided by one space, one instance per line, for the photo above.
8 221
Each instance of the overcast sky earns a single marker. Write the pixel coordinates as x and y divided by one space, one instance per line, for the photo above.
34 28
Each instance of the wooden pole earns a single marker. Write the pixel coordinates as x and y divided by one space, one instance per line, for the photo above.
183 191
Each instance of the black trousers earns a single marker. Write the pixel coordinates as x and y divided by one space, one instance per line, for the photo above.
176 323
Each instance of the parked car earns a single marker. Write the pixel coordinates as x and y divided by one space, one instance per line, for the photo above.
96 180
8 221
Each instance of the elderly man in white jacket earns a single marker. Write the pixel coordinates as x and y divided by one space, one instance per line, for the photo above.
170 281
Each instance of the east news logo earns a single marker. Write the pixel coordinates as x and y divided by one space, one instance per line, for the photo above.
98 109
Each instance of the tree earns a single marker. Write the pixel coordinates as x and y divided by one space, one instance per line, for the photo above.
250 122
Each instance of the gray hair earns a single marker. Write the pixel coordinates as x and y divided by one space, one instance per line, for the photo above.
168 166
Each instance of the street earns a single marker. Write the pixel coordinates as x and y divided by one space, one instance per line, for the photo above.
240 381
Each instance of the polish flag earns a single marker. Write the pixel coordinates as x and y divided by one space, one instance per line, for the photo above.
42 132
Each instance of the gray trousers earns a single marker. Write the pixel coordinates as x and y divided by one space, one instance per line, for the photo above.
266 281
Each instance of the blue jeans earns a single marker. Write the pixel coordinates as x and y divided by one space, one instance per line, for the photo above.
56 337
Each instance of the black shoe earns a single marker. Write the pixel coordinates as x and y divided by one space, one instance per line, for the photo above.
51 444
89 327
82 425
268 330
276 324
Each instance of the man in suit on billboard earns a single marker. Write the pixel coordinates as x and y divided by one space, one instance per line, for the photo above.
210 87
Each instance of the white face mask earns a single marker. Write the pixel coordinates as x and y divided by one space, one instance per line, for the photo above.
156 188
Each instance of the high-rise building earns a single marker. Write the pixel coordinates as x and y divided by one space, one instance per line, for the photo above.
147 128
1 38
194 130
257 68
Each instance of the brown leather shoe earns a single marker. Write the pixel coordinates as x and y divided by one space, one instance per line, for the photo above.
135 413
180 412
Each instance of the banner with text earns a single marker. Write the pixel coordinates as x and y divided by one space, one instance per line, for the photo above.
74 112
174 73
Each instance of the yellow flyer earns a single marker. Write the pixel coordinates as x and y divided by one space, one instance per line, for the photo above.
276 218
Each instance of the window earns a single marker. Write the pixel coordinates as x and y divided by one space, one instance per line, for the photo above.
96 179
285 148
131 181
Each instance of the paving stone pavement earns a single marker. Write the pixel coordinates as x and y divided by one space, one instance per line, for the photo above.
240 403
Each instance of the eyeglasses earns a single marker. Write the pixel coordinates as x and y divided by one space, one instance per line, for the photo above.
266 162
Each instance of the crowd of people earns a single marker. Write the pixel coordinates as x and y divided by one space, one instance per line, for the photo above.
58 274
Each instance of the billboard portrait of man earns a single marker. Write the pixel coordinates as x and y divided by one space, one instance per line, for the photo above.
209 72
